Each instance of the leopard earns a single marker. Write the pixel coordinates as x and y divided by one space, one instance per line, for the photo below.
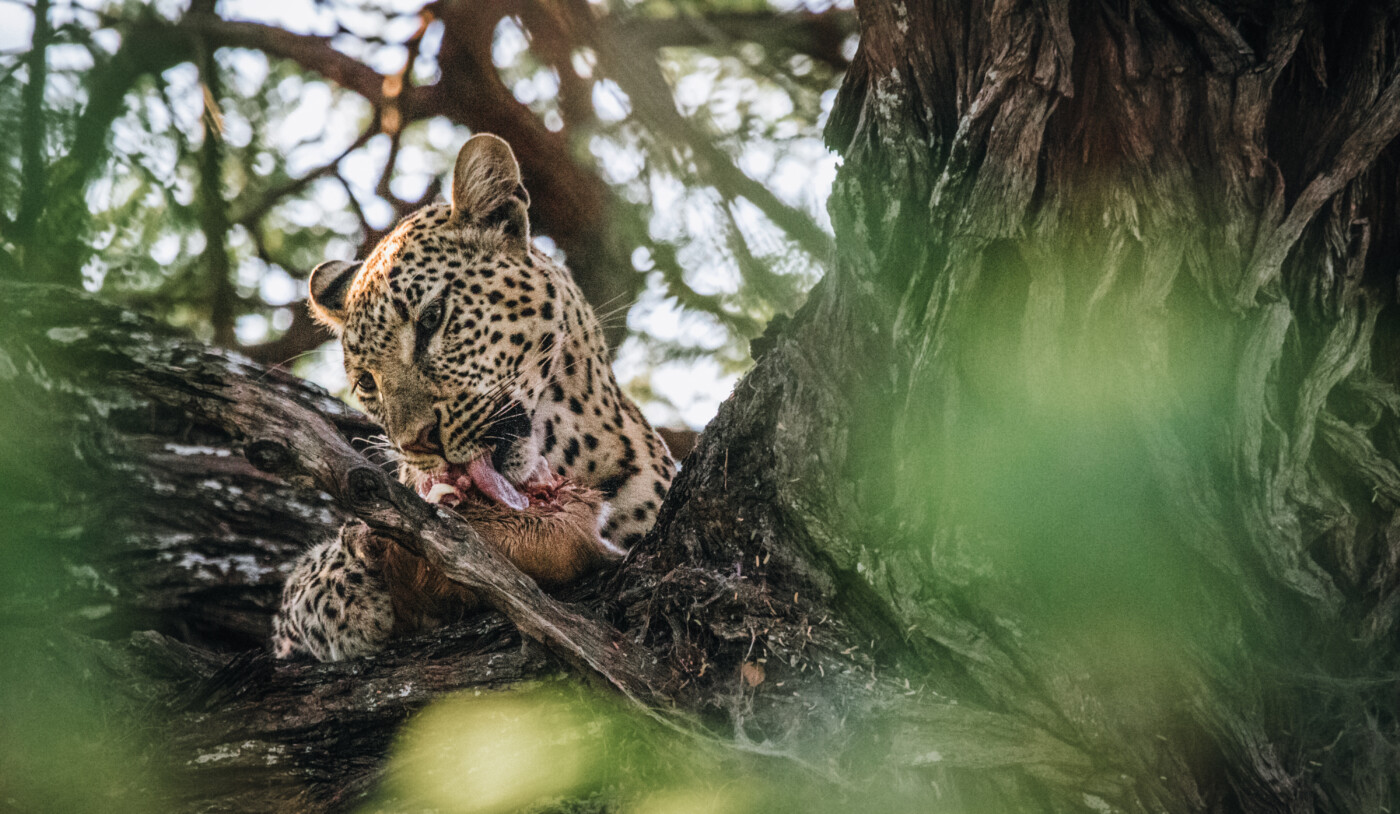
335 606
478 355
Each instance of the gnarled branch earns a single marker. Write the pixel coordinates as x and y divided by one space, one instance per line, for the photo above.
285 438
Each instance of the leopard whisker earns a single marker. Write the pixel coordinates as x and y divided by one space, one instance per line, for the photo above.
286 364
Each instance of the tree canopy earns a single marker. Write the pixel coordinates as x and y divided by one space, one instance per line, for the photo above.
197 162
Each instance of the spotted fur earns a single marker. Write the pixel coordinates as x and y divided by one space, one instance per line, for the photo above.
461 338
333 607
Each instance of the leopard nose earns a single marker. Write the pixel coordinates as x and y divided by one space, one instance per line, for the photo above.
428 441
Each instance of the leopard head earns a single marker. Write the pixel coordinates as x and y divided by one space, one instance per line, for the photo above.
452 324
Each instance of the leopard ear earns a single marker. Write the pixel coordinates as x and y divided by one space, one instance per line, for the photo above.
329 284
487 189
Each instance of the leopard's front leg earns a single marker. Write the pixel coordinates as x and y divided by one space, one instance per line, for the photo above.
334 605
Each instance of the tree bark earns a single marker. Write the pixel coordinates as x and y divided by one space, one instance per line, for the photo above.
1132 469
1072 487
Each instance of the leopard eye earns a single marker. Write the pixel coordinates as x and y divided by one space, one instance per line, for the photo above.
430 318
365 385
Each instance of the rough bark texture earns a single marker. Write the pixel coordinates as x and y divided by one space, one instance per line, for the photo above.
1073 486
167 550
1139 281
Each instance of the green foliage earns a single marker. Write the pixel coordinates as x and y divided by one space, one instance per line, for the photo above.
560 748
67 743
69 739
306 175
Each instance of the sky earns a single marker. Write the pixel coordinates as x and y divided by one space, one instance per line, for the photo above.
799 171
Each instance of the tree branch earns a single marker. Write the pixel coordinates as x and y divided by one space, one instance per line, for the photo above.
34 126
654 103
255 212
819 35
312 52
303 335
569 201
213 209
553 45
285 438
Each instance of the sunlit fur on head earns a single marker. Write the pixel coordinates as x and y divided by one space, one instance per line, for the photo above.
489 205
487 188
329 288
500 318
469 265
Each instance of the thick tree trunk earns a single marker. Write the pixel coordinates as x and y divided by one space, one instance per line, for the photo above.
1073 486
1127 474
